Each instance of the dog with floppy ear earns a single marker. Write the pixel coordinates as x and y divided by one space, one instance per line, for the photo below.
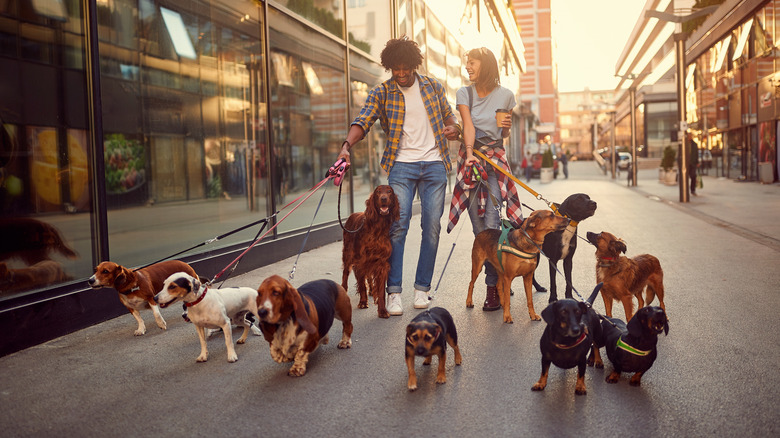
137 288
295 321
427 335
211 308
632 347
625 278
561 245
572 330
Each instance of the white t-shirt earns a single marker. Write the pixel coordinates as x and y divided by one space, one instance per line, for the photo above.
418 142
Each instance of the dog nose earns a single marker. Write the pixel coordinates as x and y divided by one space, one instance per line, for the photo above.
262 313
421 351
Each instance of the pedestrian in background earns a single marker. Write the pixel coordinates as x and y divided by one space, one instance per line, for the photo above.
693 164
485 108
417 120
527 166
564 159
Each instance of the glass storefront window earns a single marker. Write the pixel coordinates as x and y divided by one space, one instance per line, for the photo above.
327 14
309 113
368 26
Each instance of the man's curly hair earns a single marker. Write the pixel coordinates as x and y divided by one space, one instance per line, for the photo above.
401 52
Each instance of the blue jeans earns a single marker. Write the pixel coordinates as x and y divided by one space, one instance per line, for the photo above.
490 220
429 178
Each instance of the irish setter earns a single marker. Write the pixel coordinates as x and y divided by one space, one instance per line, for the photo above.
367 247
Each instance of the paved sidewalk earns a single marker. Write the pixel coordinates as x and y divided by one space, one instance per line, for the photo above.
746 208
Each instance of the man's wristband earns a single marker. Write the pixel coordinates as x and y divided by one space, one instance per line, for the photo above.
349 146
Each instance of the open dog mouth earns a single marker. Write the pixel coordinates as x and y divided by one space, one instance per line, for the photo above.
166 303
384 210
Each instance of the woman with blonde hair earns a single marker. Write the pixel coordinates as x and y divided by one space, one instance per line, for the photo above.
486 112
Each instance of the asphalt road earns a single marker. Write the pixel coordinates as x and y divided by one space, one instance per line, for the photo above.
715 374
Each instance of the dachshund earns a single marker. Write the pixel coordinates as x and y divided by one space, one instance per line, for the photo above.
573 329
631 348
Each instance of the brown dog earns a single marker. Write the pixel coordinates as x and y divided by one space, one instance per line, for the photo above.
295 321
138 288
38 275
518 256
367 247
427 335
623 277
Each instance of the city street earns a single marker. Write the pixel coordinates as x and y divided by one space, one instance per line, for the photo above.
714 376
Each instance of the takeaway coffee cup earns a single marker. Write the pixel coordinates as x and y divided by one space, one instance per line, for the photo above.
500 115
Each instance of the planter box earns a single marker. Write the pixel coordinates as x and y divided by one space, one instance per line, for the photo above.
668 177
546 175
765 172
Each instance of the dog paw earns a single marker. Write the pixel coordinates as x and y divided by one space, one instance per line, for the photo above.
163 326
362 305
139 332
538 387
535 317
232 358
579 391
412 387
441 380
509 320
345 343
469 304
383 314
297 371
240 341
202 358
635 381
600 365
613 378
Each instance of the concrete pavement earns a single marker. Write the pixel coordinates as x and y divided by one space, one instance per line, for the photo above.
714 375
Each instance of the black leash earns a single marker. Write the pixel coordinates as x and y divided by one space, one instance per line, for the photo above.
338 211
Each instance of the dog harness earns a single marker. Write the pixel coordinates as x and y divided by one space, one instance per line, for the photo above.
505 246
625 347
200 298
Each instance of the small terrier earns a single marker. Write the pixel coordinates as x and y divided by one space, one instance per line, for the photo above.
425 336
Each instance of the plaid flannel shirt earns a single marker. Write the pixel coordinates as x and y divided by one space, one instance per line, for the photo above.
460 194
386 103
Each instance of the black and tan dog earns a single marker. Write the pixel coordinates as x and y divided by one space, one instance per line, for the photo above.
573 329
631 348
625 278
518 256
561 245
428 334
296 321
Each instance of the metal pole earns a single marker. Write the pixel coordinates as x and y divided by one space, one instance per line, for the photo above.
614 154
679 41
632 103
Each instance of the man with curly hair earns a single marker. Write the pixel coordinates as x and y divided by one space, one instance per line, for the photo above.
417 120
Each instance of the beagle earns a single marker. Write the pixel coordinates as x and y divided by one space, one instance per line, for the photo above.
295 321
211 308
137 287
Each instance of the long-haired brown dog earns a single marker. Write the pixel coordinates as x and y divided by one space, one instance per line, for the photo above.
625 278
367 247
519 259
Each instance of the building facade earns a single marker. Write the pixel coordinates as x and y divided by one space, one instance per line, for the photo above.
138 130
730 80
539 85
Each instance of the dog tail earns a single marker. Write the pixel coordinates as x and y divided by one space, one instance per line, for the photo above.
595 293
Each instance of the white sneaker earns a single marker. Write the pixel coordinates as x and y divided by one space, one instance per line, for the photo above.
420 299
394 305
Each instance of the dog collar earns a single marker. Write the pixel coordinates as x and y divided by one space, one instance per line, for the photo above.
135 289
576 343
602 261
625 347
200 298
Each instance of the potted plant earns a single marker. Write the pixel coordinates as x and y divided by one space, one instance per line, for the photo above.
667 174
546 171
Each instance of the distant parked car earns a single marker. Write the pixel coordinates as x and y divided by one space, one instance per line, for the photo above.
623 160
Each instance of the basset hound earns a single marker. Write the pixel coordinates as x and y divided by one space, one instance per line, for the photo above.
295 321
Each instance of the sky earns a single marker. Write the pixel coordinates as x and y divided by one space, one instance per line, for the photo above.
590 36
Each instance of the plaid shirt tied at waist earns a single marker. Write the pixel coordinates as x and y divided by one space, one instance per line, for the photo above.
463 186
